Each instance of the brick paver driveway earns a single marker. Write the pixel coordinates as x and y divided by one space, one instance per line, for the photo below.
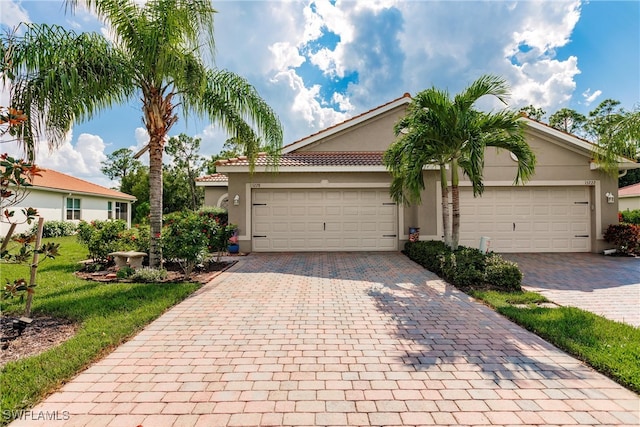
337 339
605 285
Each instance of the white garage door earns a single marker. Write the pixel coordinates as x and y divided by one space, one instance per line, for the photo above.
323 220
527 219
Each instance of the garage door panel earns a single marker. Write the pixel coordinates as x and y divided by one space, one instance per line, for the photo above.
321 219
546 218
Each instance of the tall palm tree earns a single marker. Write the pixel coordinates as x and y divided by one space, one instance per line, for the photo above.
157 53
453 135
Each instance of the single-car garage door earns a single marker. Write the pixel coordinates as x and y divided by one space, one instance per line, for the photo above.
527 219
323 220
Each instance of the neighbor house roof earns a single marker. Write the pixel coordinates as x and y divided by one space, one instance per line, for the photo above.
58 182
214 180
629 191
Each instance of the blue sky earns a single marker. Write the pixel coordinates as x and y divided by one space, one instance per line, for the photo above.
320 62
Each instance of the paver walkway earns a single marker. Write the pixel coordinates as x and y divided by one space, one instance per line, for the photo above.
336 339
605 285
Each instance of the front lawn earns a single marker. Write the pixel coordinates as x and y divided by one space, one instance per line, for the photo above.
107 315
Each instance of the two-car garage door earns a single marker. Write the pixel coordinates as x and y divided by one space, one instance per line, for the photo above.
527 219
323 220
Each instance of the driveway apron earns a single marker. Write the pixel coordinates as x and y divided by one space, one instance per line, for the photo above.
604 285
335 339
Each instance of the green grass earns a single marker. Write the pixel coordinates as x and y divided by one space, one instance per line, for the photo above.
612 348
107 314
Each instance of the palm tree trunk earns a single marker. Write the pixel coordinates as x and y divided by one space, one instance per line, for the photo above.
455 201
155 201
445 205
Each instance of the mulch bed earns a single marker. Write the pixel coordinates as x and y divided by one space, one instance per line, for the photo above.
42 334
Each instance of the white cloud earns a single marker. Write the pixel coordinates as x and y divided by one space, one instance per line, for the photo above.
590 97
12 13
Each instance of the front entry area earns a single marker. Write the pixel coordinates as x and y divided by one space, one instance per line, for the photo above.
310 219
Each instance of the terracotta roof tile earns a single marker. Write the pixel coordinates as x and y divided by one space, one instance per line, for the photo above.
314 158
629 190
216 177
54 180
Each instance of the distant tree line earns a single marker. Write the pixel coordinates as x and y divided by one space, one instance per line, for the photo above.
613 130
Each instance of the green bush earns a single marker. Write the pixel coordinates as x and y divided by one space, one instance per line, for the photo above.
631 217
149 275
185 240
55 228
427 254
466 267
502 274
125 272
626 238
104 237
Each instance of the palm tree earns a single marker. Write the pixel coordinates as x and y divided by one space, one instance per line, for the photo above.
157 54
451 134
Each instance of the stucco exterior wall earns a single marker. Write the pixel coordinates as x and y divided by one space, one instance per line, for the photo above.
52 207
628 203
213 194
375 134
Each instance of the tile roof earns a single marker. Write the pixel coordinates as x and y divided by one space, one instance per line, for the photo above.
313 158
629 190
216 177
53 180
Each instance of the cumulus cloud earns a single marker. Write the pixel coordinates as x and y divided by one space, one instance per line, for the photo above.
82 160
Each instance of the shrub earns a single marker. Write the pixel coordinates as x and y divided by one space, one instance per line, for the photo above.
502 274
427 253
185 239
55 228
626 238
466 267
630 217
125 272
104 237
149 275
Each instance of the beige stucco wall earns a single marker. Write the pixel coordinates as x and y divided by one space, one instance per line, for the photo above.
375 134
558 163
213 194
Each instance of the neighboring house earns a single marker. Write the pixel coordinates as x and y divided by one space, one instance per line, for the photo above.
629 197
61 197
331 193
216 190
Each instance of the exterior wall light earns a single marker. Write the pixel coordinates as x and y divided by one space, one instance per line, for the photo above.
610 198
236 200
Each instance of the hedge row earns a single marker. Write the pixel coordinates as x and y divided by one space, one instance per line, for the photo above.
466 267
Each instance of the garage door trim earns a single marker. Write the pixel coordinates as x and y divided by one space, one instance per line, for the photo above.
324 184
597 212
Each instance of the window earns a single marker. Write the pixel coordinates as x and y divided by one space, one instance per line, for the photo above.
121 210
109 210
73 208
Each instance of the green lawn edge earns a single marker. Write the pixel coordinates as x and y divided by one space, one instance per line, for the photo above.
612 348
107 315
